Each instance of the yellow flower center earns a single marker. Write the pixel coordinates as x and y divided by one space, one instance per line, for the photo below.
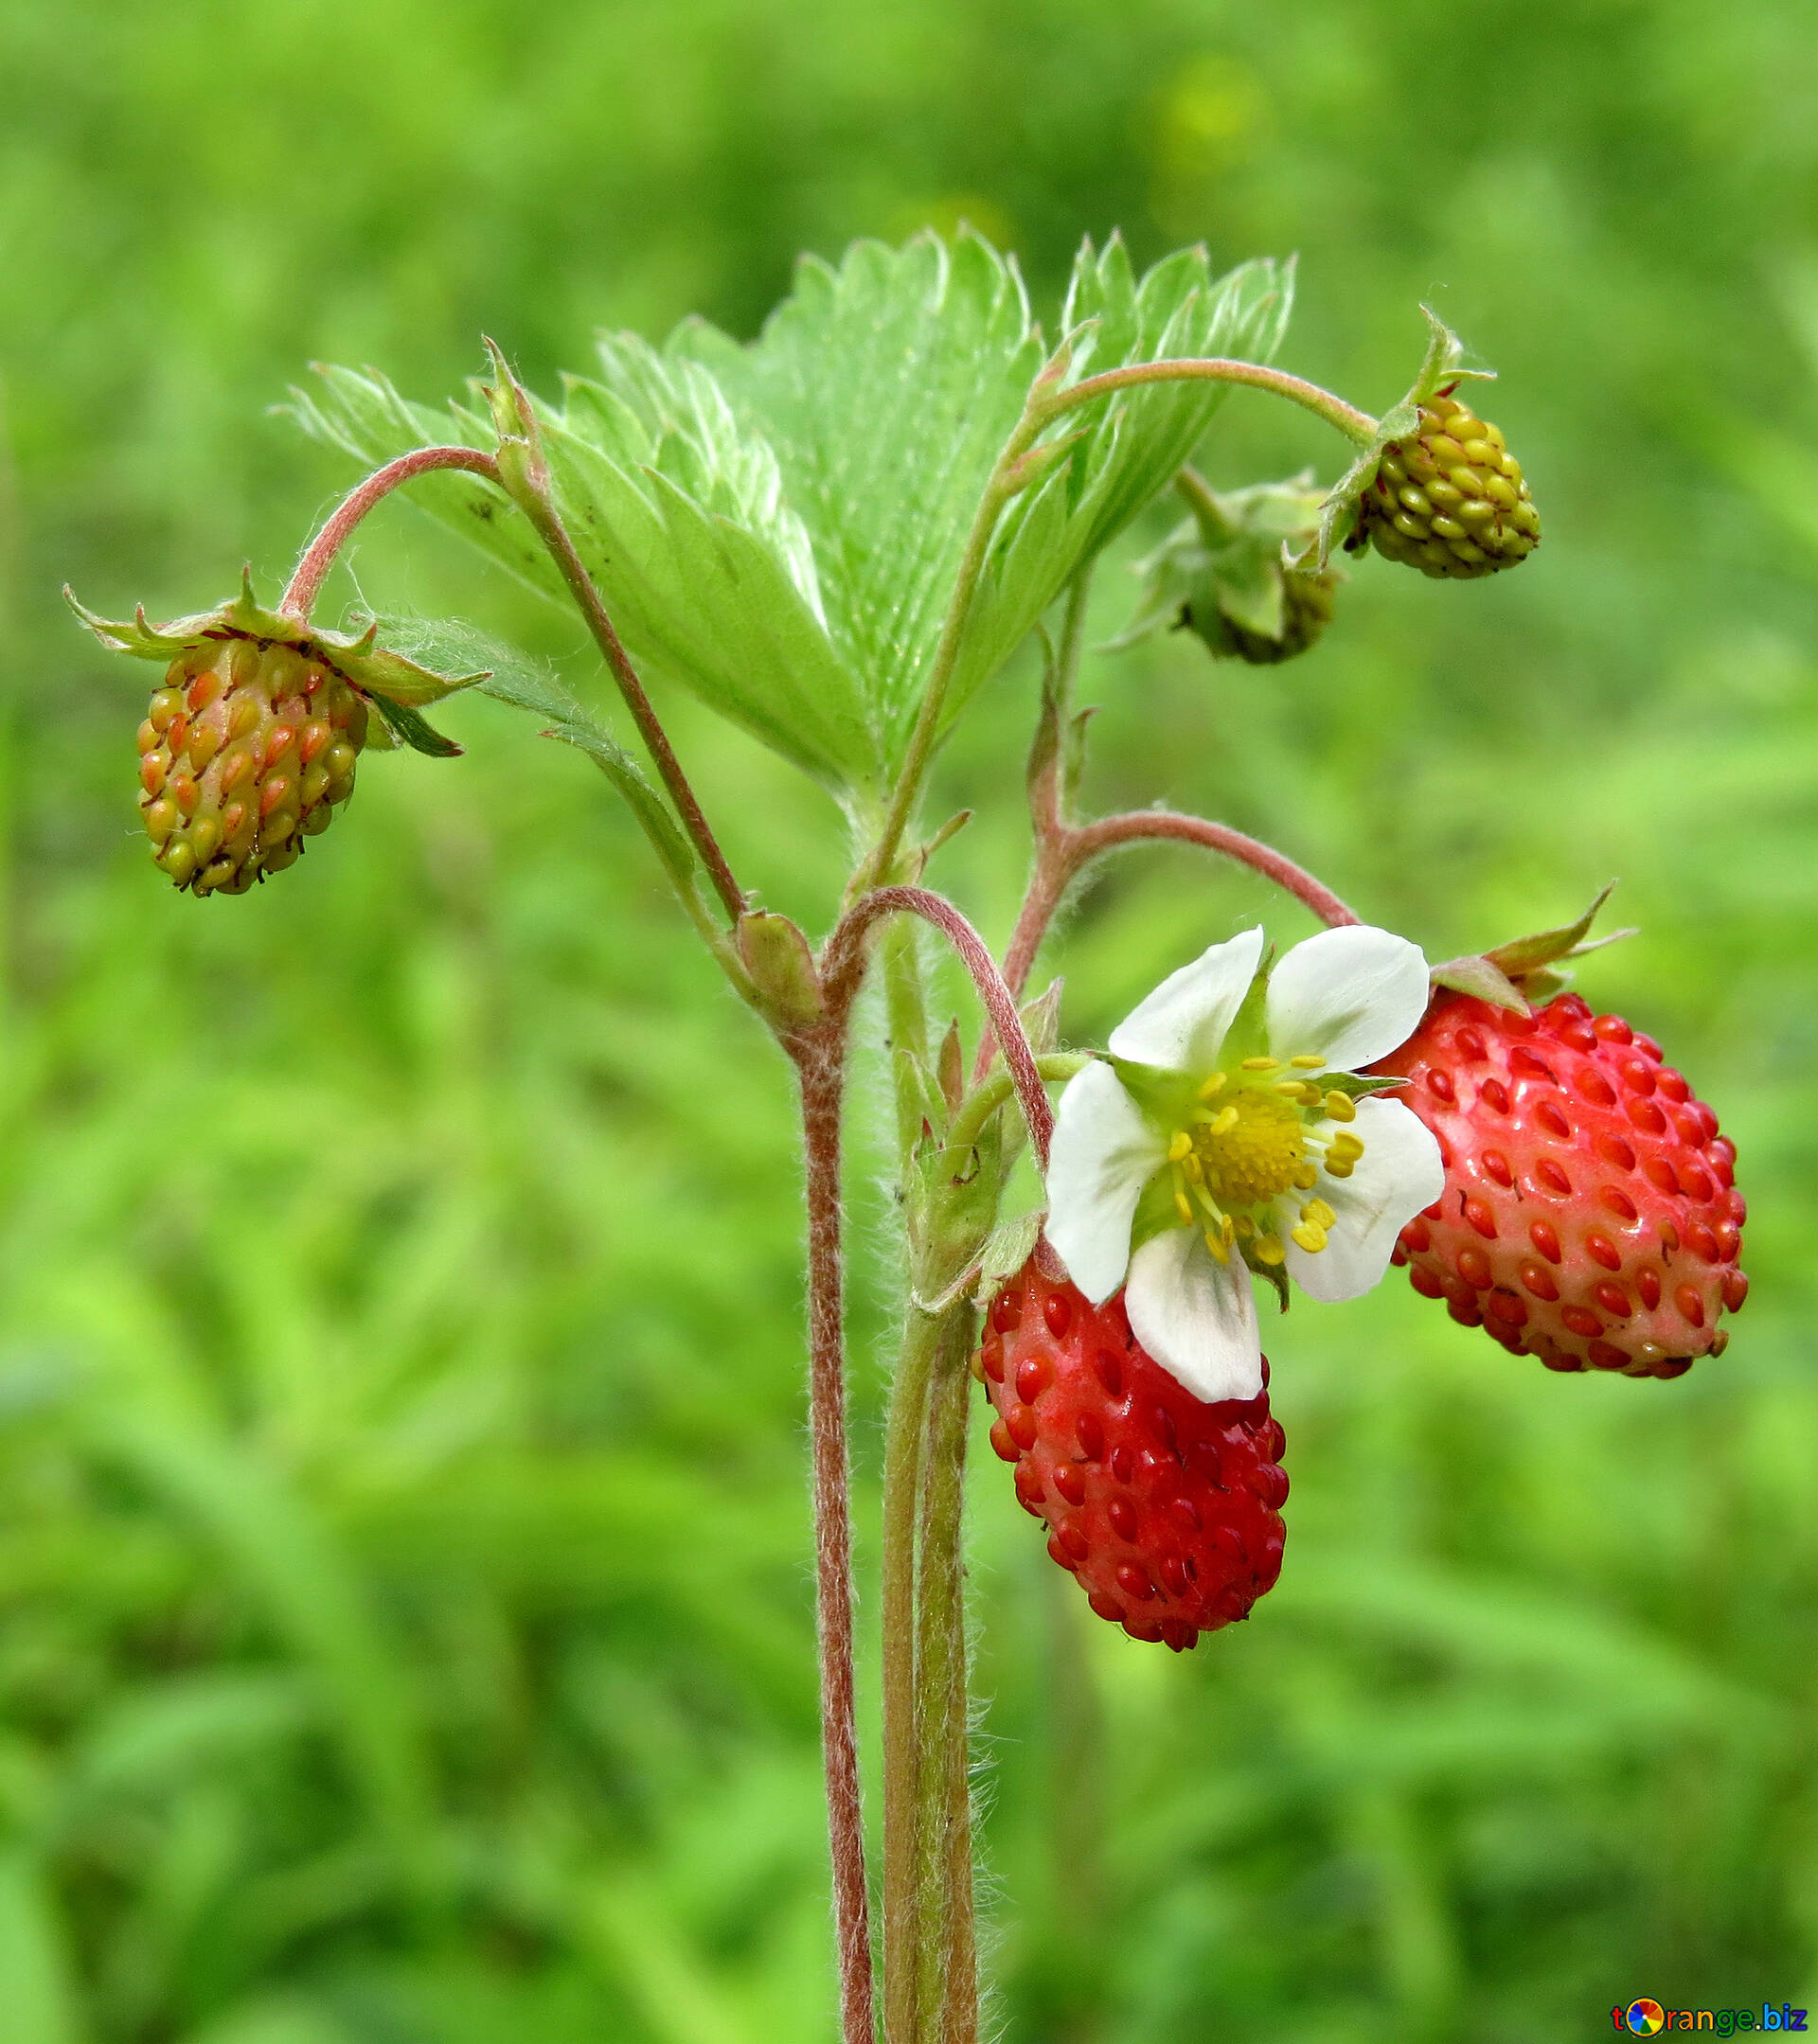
1250 1148
1244 1145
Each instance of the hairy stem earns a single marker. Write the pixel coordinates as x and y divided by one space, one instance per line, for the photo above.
844 958
1060 857
821 1061
539 507
1357 426
318 557
944 1820
904 1440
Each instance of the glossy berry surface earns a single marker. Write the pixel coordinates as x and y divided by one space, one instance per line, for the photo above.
1450 499
1166 1510
247 751
1590 1216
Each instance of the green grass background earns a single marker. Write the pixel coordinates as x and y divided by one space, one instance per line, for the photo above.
405 1627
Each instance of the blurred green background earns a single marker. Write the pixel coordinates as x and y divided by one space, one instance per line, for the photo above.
405 1612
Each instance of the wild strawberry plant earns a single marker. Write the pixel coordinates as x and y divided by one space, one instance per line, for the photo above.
836 536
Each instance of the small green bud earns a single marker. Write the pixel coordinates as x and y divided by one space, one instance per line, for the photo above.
1449 498
1229 573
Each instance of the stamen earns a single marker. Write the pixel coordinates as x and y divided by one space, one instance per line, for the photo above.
1305 1063
1340 1106
1310 1239
1269 1250
1216 1245
1306 1177
1181 1146
1214 1085
1293 1089
1262 1064
1222 1122
1195 1171
1319 1213
1183 1206
1246 1227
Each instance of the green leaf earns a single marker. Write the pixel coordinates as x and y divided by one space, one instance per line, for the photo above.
1136 440
778 526
888 388
676 513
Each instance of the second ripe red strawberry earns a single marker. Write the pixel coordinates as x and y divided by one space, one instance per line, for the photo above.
1590 1216
1167 1510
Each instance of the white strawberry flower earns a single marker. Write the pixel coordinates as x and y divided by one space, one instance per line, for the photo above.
1228 1133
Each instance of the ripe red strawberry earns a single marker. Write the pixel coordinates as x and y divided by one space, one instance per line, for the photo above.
1165 1509
1590 1216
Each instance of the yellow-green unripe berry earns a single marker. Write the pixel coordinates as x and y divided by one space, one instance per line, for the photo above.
247 749
1450 499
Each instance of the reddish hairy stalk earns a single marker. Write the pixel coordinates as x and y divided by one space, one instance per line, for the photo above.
1063 850
820 1059
845 965
541 511
318 557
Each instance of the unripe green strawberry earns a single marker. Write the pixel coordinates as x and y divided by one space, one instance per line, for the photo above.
1590 1215
1166 1510
247 750
1448 499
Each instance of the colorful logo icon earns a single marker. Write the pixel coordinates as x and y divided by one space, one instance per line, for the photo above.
1645 2019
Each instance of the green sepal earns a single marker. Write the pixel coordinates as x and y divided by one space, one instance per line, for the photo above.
375 670
776 953
1007 1247
921 1105
1041 1018
953 1200
950 1068
1353 1083
1442 364
1548 946
1483 981
1273 1274
1523 972
405 726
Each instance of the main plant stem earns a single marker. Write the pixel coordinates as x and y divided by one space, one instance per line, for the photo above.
820 1059
943 1795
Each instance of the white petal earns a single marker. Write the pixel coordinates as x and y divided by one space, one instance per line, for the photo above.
1196 1316
1347 995
1399 1173
1184 1022
1104 1152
